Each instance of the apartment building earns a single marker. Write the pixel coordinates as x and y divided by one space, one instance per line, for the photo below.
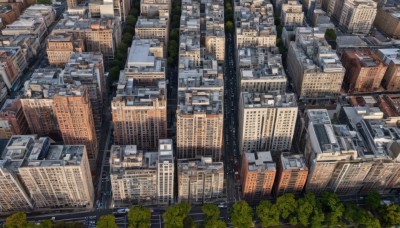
41 175
200 180
313 66
199 117
12 119
58 176
98 34
292 174
146 63
73 3
8 15
152 28
8 70
258 175
292 14
60 48
254 23
165 172
215 30
133 175
29 26
261 70
266 122
29 44
37 102
151 8
75 119
139 114
44 12
355 16
88 69
364 70
387 21
391 58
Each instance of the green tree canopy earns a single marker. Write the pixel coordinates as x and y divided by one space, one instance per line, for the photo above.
211 211
127 38
391 216
106 221
268 213
242 215
229 27
214 223
174 216
373 200
286 205
188 222
139 217
46 2
333 207
16 220
330 34
114 73
130 20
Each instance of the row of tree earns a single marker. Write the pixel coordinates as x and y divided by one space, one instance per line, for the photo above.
307 211
173 42
122 51
326 211
228 10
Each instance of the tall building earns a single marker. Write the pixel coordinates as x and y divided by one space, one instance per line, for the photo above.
37 102
152 28
215 30
12 119
292 14
355 16
266 122
60 48
292 174
261 70
388 22
40 175
364 70
257 175
313 66
391 58
200 180
139 114
88 69
146 63
151 8
75 119
165 172
12 66
133 175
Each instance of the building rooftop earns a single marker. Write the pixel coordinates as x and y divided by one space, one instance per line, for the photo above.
127 157
260 162
365 58
255 18
85 66
391 55
142 56
165 151
265 100
199 164
210 76
134 95
144 22
293 161
207 101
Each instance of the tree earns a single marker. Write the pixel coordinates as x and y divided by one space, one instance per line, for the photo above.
211 211
286 205
330 34
16 220
268 213
139 217
242 215
317 218
214 223
130 20
129 29
174 216
133 12
229 27
333 207
188 222
46 2
127 38
46 224
174 34
391 215
113 74
373 200
304 211
106 221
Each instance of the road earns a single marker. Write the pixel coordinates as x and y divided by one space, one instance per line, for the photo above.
231 152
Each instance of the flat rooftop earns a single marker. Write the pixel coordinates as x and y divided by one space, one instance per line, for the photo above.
260 162
265 100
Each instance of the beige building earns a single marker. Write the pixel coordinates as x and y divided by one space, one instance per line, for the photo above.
292 14
315 73
151 8
292 174
165 172
391 58
261 70
29 26
266 122
60 48
258 175
139 114
49 176
152 28
133 175
215 30
200 180
255 24
355 16
387 21
75 119
146 63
